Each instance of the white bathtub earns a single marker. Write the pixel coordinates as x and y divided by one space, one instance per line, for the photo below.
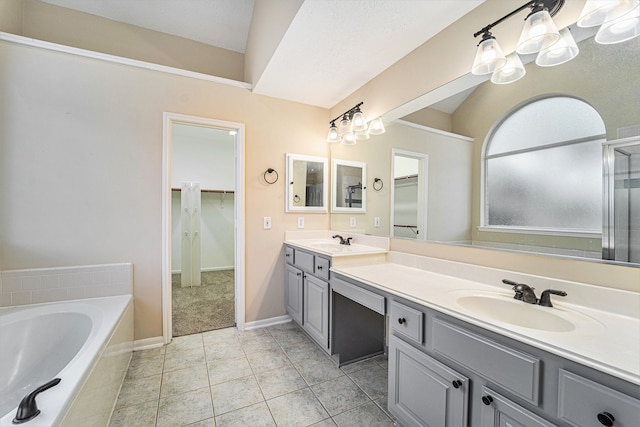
86 343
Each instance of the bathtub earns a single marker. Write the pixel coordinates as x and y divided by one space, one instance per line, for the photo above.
86 343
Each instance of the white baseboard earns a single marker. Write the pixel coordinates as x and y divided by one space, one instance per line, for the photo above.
148 343
267 322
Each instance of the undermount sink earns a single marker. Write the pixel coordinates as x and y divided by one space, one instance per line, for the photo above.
515 312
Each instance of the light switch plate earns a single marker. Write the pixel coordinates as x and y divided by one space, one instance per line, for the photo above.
300 222
376 222
352 221
267 223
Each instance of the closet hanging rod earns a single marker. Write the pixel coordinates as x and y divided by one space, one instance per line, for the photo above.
209 191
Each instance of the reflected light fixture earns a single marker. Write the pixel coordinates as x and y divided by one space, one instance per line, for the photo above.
353 127
563 51
513 70
619 20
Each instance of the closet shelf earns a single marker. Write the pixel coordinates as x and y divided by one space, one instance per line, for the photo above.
204 190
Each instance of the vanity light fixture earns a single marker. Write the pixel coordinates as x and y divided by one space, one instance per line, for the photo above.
619 20
539 35
353 127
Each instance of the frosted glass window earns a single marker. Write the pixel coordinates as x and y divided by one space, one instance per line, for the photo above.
547 121
546 177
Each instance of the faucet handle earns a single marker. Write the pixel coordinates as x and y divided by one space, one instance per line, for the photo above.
545 297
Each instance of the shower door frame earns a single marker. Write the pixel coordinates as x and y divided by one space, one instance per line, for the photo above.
608 193
169 119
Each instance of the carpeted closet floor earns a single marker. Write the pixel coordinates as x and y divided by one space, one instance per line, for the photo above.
206 307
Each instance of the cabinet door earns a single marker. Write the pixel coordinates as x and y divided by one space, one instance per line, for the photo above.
316 309
422 391
500 411
293 293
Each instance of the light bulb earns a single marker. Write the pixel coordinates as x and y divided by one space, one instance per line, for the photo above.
489 56
539 33
563 51
512 71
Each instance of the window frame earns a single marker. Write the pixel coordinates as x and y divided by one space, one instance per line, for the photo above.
484 207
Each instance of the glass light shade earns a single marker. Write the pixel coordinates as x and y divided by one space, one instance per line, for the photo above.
489 57
345 125
349 138
376 127
512 71
358 122
625 27
333 135
562 51
595 12
539 33
362 135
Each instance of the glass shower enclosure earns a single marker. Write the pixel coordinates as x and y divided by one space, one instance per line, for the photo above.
621 200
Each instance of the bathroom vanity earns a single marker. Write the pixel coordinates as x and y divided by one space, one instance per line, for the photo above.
463 352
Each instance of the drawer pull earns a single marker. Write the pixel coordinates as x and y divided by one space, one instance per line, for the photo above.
456 383
606 419
402 320
487 400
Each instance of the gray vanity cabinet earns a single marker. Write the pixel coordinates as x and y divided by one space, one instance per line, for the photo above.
422 391
316 310
500 411
294 292
307 292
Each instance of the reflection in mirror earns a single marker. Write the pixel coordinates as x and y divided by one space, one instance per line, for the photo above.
409 194
349 180
306 183
603 76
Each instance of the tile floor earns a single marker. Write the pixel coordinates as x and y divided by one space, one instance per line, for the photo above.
266 377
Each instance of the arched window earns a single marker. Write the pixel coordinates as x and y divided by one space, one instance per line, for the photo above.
543 169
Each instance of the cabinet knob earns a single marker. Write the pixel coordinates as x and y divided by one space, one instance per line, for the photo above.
606 419
287 255
402 320
487 400
319 267
298 274
456 383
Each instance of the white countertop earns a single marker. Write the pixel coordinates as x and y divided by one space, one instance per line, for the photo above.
599 338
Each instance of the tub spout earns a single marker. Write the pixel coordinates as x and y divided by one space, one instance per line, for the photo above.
27 410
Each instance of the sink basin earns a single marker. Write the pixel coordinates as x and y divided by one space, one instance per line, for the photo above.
333 247
518 313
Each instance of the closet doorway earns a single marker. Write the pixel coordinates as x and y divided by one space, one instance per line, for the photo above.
202 275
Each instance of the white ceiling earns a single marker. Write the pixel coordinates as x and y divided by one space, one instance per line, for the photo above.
331 48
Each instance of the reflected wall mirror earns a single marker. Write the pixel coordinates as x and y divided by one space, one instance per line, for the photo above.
306 183
452 123
349 186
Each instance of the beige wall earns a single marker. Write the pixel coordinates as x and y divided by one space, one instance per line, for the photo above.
43 21
11 16
81 169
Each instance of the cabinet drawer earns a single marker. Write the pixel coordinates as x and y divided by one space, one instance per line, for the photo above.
497 410
582 402
517 372
406 321
303 260
288 255
363 297
322 268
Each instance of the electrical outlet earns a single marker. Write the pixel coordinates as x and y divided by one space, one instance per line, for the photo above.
352 221
267 223
300 222
376 222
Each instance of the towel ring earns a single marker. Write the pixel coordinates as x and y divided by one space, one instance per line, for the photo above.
269 172
375 183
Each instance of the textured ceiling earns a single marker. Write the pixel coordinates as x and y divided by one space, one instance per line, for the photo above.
331 48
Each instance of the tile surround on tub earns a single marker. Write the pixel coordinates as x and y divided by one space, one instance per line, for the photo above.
42 285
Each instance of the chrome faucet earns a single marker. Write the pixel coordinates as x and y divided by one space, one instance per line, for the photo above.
343 241
526 293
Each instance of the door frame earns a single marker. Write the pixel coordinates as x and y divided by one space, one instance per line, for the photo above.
423 190
169 119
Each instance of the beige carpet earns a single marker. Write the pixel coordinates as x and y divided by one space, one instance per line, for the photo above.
206 307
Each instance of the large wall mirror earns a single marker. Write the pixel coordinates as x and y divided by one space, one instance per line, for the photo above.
452 124
306 183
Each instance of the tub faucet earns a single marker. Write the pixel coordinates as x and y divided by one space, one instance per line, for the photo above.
343 241
28 410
